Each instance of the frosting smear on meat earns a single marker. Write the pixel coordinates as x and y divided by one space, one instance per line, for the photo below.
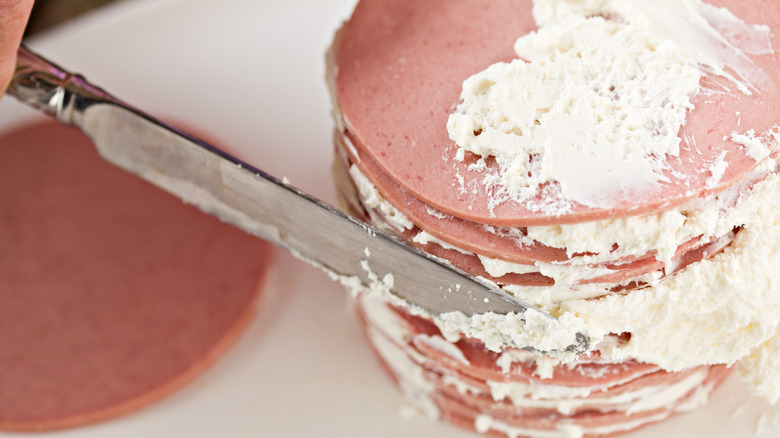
594 103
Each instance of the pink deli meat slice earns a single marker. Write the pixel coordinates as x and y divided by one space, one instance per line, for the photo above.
114 293
496 242
399 69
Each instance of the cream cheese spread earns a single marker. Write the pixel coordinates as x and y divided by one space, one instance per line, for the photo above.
397 347
596 99
661 233
715 311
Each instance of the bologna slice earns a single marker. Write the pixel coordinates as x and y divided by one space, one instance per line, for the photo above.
112 292
400 65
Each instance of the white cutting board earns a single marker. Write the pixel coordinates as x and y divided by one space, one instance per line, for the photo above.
249 73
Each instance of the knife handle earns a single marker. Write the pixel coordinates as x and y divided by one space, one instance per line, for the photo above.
51 89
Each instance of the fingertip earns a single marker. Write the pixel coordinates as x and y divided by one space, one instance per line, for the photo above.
14 15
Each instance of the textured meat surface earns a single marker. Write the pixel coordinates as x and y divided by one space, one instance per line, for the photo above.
113 293
400 66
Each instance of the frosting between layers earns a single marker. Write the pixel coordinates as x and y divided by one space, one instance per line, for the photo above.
424 367
732 302
661 233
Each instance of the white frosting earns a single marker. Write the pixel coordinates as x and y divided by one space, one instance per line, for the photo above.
411 377
425 238
498 268
372 199
545 365
717 169
568 399
656 398
396 344
557 119
756 147
761 369
442 345
716 311
531 329
598 95
485 423
459 385
661 232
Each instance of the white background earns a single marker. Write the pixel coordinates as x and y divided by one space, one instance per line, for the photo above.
250 74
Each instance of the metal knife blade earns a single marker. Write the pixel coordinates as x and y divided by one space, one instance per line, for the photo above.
252 200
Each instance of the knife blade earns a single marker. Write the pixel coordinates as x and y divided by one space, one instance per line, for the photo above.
242 195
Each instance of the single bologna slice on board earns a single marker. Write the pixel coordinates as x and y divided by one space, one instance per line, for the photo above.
112 293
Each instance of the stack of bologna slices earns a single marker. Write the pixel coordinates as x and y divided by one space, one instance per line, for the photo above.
397 67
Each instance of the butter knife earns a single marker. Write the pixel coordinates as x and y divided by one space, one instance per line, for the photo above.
246 197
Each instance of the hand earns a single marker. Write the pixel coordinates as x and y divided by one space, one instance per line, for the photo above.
13 19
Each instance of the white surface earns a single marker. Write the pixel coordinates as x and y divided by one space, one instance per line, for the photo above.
250 74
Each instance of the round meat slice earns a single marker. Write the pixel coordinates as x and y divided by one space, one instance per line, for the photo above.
399 67
112 292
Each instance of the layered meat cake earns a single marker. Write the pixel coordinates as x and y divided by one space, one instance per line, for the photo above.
612 162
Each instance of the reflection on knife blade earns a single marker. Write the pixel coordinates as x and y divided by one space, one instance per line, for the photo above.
260 204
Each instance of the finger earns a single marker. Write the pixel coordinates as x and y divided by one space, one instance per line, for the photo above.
13 19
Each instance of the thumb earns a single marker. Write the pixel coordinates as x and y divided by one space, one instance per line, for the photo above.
13 19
